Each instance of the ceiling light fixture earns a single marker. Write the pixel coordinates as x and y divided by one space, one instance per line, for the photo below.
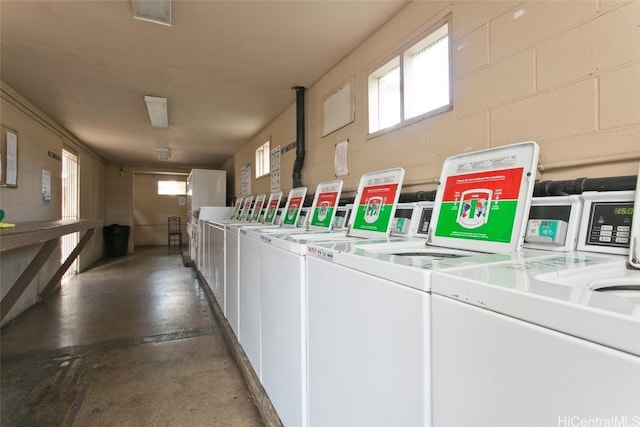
157 108
156 11
163 153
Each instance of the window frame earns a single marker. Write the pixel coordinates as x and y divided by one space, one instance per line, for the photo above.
264 151
171 194
399 56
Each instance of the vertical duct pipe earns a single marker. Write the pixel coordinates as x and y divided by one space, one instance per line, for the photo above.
300 141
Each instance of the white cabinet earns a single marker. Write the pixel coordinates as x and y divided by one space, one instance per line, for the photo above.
205 187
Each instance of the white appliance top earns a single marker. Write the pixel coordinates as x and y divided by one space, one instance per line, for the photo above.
399 264
552 292
594 296
298 243
483 199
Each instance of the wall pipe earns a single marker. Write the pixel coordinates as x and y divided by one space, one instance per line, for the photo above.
300 137
580 185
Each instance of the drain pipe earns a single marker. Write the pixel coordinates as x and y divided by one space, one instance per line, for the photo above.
300 142
580 185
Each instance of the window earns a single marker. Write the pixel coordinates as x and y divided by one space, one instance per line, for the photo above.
172 188
263 155
412 84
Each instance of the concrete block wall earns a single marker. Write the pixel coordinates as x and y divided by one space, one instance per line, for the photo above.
563 73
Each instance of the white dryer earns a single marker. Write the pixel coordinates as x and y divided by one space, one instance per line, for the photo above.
552 341
368 311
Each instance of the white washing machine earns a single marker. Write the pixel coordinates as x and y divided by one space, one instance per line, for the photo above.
552 341
211 241
368 313
386 186
276 282
283 313
247 272
213 267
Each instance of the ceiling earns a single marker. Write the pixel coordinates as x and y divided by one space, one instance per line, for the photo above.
226 67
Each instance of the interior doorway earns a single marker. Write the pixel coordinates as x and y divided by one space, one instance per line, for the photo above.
70 206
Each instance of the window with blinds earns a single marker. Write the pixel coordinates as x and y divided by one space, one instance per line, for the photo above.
414 84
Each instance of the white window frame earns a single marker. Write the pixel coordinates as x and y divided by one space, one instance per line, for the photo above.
179 187
263 159
402 59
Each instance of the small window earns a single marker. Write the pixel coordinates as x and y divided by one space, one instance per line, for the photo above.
172 188
426 71
384 96
263 156
412 84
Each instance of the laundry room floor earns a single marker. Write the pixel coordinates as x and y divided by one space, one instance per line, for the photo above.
130 342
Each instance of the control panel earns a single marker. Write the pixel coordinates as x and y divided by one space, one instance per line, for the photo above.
610 224
606 222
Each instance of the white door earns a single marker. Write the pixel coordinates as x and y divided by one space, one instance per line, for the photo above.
70 206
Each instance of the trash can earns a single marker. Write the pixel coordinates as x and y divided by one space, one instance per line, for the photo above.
116 238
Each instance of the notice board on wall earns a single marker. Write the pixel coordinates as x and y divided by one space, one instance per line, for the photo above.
338 109
9 158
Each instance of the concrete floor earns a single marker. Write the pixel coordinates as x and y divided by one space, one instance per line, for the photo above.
131 342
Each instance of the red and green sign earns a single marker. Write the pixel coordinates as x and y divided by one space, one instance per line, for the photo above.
375 208
292 212
245 209
480 206
257 208
323 212
271 211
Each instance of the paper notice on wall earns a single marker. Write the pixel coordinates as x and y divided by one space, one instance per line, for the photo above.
46 187
245 180
275 169
340 158
12 159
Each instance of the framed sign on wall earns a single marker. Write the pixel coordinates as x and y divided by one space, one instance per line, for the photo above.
9 158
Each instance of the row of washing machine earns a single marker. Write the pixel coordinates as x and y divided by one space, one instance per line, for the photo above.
453 325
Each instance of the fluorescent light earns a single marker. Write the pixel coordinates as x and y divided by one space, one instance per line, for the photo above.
163 153
156 11
157 108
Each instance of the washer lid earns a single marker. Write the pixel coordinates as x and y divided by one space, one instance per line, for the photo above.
257 208
243 215
272 208
236 208
375 203
325 204
634 249
483 199
292 208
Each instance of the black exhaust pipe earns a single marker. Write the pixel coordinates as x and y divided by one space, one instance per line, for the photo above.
300 142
